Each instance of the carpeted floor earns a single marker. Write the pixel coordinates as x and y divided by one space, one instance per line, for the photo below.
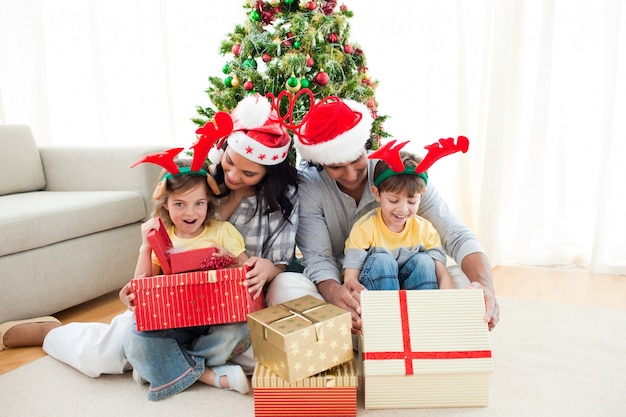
550 360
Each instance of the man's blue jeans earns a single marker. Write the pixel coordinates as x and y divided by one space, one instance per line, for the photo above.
381 272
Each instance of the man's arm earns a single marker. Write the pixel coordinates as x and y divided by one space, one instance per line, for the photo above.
314 241
313 234
478 270
461 243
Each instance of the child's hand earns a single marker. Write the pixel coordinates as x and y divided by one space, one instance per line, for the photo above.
127 297
146 227
220 252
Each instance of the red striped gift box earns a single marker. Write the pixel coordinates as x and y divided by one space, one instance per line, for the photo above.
193 299
329 393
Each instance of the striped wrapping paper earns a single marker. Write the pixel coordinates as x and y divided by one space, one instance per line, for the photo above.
426 348
329 393
192 299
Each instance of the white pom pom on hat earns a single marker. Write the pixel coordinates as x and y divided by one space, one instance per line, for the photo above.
258 134
251 112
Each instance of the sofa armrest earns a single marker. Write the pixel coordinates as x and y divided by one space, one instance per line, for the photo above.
100 169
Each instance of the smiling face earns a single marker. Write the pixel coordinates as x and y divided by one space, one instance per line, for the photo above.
396 208
351 176
241 173
188 211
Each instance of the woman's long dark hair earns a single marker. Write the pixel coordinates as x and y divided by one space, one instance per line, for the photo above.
275 185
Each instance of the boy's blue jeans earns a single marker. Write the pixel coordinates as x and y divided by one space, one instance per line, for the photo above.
172 360
381 271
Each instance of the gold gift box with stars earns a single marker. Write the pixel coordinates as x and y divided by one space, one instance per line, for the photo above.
301 338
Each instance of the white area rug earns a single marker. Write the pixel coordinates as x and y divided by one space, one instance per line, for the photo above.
550 360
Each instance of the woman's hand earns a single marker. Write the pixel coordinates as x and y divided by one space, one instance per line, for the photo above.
261 271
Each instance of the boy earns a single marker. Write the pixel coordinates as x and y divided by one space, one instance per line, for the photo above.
391 247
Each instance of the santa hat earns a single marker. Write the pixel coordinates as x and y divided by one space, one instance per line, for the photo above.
258 134
334 132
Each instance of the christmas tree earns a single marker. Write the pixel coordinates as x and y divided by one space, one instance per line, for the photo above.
291 44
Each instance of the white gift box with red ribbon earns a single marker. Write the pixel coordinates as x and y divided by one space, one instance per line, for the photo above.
426 348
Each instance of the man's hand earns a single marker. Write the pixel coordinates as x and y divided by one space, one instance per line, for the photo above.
346 296
492 309
476 267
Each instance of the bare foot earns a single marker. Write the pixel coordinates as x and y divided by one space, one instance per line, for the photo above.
29 334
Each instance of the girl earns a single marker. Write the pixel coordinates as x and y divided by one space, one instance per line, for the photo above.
185 208
257 196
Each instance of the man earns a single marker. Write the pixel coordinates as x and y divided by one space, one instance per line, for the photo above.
336 191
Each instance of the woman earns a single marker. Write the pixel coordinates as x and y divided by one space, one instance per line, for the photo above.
258 197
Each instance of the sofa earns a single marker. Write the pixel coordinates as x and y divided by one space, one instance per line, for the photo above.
69 221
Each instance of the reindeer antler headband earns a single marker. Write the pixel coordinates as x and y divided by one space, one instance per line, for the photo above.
208 136
390 153
253 130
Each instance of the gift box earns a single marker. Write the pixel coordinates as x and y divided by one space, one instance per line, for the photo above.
329 393
193 299
427 348
301 338
174 262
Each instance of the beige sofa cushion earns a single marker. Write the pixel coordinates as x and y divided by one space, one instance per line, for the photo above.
21 169
33 220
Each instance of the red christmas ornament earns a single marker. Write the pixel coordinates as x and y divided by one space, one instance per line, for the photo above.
311 5
332 37
322 78
347 48
236 49
310 62
328 6
248 85
343 8
266 57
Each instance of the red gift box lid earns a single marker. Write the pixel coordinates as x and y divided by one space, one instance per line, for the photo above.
185 261
161 245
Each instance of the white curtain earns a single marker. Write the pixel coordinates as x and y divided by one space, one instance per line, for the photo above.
539 87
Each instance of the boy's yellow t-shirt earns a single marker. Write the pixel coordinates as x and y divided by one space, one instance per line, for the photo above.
220 233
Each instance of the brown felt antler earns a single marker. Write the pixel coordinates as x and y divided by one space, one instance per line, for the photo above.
440 149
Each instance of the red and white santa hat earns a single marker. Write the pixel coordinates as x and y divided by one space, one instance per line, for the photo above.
258 134
334 132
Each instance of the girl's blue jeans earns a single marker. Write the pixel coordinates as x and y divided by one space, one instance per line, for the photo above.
172 360
381 271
